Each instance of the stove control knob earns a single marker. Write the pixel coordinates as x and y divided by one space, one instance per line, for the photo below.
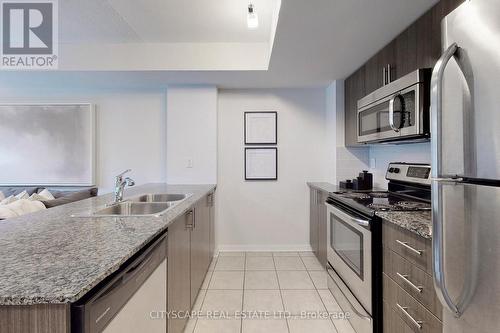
397 170
391 170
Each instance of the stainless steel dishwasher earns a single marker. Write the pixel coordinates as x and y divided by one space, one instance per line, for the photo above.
133 300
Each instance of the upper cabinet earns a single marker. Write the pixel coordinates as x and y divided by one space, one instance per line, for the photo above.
418 46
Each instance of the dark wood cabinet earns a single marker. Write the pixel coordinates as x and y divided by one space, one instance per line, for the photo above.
200 246
410 302
179 270
418 46
318 224
354 90
313 220
190 251
211 200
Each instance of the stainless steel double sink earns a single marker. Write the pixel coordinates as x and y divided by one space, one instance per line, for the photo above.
145 205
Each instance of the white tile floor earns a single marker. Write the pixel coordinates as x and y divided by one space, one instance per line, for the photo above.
276 282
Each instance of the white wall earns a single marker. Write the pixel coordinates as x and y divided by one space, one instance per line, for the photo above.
130 129
192 135
271 215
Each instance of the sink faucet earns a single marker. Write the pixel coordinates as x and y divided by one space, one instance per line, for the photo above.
120 184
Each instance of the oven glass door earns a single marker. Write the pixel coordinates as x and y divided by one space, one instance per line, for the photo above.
347 242
350 251
374 120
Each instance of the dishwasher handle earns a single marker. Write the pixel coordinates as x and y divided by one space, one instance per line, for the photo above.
99 309
138 267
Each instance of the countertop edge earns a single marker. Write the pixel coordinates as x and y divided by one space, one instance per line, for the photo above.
323 186
416 222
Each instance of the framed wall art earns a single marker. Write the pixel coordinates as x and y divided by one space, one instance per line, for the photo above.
261 127
261 163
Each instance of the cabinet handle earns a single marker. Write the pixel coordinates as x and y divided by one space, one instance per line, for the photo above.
190 220
404 309
389 79
408 282
384 76
419 252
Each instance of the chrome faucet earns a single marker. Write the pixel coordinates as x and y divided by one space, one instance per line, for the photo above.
120 184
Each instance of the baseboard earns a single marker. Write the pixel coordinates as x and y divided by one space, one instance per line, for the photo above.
263 248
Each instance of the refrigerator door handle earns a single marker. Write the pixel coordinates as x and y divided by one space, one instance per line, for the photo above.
437 204
438 251
436 109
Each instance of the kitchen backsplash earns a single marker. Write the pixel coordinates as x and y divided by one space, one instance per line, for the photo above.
384 154
350 161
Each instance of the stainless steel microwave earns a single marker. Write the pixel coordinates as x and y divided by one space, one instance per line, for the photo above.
398 111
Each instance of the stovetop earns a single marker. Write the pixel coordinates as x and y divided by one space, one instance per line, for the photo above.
371 202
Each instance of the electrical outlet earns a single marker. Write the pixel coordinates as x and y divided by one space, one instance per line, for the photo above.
373 163
189 163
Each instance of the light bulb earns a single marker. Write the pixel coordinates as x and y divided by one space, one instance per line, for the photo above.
252 18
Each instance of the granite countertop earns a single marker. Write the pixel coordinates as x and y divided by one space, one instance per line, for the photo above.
323 186
52 257
419 222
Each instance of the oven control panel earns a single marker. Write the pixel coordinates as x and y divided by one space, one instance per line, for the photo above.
410 173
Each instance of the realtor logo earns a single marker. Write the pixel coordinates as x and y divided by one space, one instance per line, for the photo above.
29 34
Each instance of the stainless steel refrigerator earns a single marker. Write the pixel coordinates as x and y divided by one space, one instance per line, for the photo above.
465 130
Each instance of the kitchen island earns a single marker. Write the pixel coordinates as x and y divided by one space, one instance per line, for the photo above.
53 258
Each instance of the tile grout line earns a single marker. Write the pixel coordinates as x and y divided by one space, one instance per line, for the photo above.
319 295
281 294
206 291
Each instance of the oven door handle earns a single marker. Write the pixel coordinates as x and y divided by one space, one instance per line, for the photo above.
344 216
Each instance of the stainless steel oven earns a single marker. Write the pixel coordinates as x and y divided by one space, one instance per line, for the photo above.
350 265
397 111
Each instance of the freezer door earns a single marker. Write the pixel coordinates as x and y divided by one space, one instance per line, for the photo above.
469 265
470 101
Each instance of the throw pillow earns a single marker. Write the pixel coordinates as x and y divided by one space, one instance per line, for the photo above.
25 206
2 196
43 195
22 195
8 200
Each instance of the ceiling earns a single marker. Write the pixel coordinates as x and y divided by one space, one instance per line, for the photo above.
162 21
316 42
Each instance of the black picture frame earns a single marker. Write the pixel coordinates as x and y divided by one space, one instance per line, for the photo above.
263 178
275 127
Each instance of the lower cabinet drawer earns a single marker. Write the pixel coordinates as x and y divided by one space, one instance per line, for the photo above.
413 280
410 246
393 323
407 309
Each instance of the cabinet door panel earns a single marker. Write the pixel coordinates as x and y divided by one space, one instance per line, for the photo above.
405 52
322 229
313 220
179 273
373 74
354 90
212 225
200 246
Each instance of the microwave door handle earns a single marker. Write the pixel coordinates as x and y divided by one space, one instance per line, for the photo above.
391 114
